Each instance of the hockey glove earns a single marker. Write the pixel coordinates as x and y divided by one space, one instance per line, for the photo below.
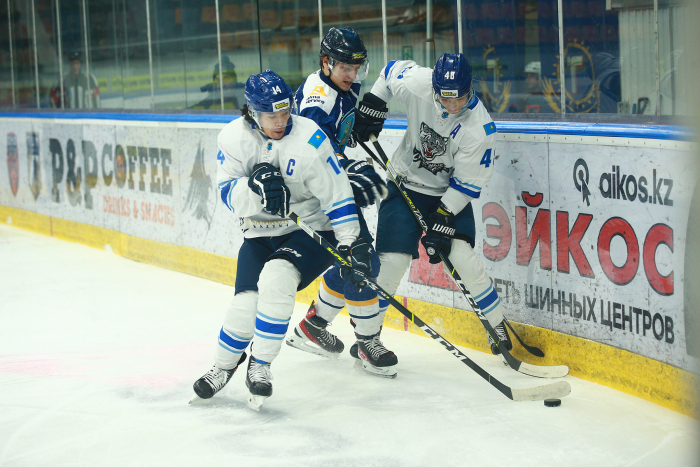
440 233
359 255
367 185
266 180
369 118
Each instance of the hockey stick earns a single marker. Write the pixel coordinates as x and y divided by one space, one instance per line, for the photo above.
532 349
546 391
392 174
540 371
389 168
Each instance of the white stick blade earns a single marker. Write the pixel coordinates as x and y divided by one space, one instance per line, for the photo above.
557 371
548 391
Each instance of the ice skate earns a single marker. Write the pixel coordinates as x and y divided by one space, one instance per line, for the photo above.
375 359
310 335
258 382
502 334
213 381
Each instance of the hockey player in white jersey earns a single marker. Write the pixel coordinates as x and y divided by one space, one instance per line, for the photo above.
328 96
271 162
445 159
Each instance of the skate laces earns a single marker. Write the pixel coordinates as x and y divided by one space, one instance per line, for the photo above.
259 373
217 377
501 332
376 347
322 332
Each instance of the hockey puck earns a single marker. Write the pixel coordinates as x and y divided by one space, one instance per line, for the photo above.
552 402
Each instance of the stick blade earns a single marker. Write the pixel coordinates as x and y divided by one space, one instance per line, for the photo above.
540 371
548 391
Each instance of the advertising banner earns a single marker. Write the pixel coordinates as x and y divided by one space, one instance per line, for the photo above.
581 236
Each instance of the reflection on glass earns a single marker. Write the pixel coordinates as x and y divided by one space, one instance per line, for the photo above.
104 19
640 91
23 53
289 42
592 39
406 34
675 25
513 47
168 55
197 23
7 72
610 60
240 57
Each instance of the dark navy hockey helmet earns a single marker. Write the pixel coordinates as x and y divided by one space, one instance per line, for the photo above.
452 76
345 46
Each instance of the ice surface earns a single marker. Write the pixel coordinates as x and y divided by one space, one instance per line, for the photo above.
98 355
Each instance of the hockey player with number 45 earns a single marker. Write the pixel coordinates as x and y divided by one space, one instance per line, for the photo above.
272 162
444 160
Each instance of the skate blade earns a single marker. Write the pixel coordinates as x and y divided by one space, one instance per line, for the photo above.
301 344
382 372
255 402
194 399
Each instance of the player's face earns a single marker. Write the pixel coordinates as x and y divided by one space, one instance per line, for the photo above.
454 104
274 124
533 81
75 67
342 75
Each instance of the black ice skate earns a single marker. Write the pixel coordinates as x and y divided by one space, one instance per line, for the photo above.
376 359
258 382
214 381
310 335
502 334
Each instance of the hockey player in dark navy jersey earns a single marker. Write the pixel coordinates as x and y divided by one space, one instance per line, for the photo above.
328 96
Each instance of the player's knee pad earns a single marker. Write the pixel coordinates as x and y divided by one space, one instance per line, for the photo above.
238 328
277 287
393 267
471 270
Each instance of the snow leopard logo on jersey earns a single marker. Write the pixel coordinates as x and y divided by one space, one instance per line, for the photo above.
432 146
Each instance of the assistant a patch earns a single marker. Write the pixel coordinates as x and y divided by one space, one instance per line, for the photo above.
490 128
317 138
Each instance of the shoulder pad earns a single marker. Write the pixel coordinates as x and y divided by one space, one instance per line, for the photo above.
316 93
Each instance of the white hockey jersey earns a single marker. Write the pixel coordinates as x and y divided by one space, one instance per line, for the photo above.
320 191
440 154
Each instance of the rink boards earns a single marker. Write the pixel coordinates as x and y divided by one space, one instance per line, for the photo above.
582 227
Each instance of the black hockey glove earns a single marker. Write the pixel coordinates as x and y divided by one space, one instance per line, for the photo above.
440 233
369 118
367 185
359 255
266 180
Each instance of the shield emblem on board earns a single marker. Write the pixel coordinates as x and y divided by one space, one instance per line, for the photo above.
13 162
34 159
